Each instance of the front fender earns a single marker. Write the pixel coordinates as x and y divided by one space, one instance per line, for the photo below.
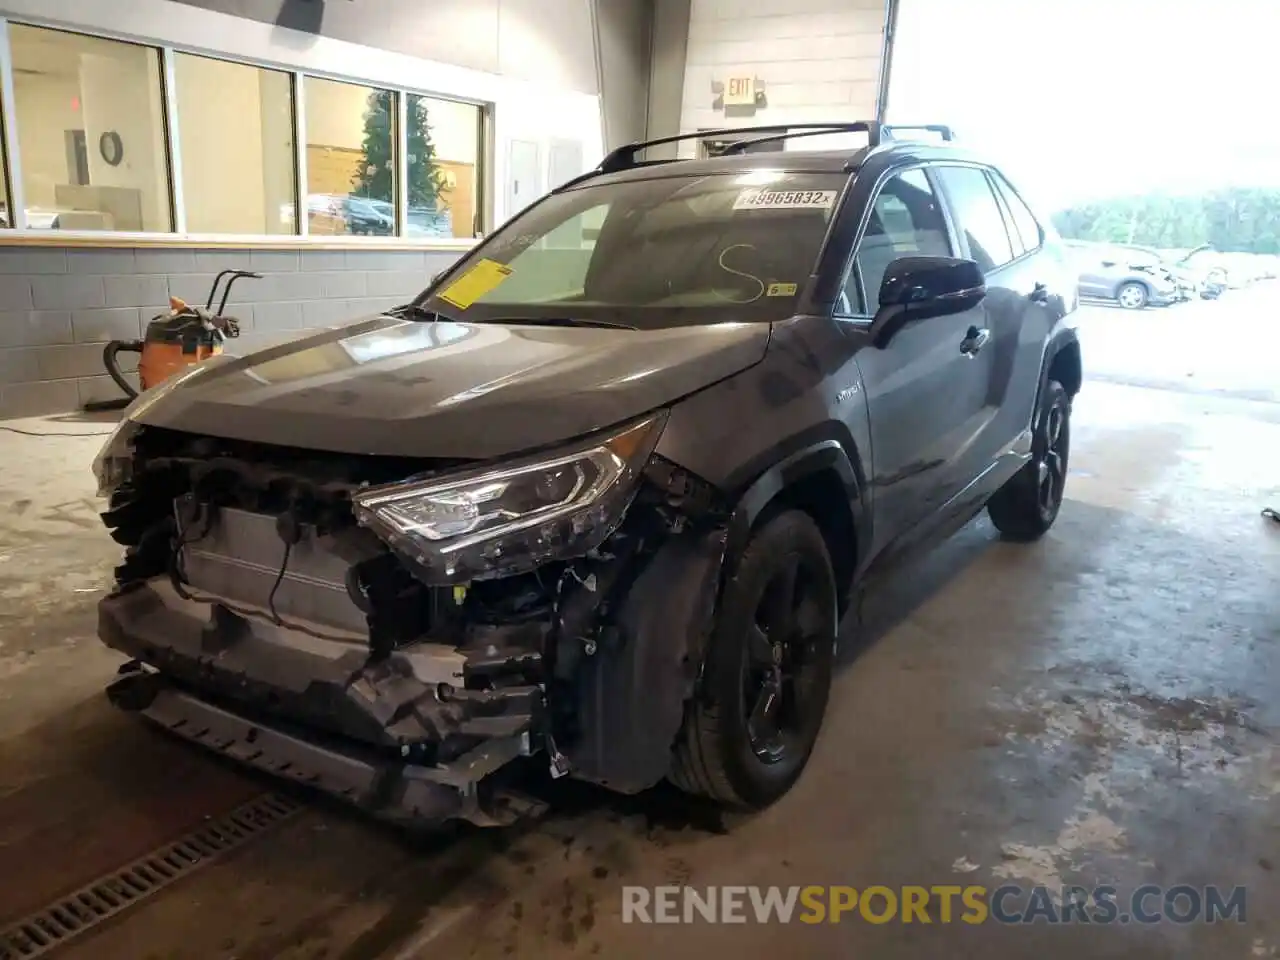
632 691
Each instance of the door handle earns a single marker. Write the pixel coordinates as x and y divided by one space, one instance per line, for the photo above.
974 341
1040 294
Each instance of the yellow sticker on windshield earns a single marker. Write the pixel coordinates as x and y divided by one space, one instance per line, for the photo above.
484 276
781 290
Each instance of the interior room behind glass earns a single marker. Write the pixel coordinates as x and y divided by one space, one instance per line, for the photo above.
90 132
96 141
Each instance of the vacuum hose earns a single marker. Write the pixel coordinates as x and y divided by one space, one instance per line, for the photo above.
109 361
113 367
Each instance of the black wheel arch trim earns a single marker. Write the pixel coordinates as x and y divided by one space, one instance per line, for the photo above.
813 455
1063 339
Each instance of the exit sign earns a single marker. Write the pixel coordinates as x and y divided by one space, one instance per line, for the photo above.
740 92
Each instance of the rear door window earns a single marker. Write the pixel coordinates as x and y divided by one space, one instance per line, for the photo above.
977 215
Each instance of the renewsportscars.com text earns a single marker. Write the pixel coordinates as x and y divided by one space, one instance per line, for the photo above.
1180 904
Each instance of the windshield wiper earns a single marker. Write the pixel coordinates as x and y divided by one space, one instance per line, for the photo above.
415 311
562 322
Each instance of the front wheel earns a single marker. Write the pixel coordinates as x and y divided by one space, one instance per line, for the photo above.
1132 296
1026 506
749 731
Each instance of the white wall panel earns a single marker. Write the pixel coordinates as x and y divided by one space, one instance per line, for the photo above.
544 40
817 59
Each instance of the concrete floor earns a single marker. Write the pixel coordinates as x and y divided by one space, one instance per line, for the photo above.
1225 347
1098 708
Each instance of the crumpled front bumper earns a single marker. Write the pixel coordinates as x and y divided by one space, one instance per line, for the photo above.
401 738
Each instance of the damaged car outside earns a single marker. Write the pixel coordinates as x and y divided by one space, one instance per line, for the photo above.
602 493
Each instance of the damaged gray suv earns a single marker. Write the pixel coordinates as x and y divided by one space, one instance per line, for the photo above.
600 495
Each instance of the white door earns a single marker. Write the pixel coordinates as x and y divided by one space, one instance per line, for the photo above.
565 162
524 175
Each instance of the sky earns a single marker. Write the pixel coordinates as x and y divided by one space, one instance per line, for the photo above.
1089 98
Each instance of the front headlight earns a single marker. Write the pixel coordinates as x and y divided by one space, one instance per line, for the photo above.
505 520
113 466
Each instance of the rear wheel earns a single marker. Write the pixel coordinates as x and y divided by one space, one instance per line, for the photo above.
1132 296
749 732
1026 506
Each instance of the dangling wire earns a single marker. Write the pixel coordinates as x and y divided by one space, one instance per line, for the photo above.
203 524
271 597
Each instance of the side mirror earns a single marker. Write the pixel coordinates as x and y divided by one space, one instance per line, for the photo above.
920 288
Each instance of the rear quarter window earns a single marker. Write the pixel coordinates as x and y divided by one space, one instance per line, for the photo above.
1029 232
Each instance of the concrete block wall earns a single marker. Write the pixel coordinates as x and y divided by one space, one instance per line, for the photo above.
60 306
818 60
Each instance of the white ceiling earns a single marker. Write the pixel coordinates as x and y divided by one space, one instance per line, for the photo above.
53 52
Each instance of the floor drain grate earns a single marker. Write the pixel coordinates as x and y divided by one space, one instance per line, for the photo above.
73 915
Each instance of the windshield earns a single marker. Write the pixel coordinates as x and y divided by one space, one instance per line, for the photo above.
651 253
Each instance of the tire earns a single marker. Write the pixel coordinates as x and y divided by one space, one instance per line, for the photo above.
1027 505
1132 296
716 754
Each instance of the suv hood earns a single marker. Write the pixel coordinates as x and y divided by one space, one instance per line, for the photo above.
451 390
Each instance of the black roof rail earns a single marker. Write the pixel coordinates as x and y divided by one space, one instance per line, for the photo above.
874 132
624 157
889 130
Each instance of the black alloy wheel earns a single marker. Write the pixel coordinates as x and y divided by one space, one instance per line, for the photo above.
784 664
1028 504
751 728
1051 460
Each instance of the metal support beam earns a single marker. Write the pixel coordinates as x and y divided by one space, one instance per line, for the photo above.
400 168
171 121
301 208
886 58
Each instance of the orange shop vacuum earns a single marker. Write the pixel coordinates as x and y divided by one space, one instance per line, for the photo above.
175 340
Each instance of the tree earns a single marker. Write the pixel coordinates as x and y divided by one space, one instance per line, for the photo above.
374 179
1232 220
426 180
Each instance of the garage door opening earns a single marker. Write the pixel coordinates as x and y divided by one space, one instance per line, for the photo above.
1140 130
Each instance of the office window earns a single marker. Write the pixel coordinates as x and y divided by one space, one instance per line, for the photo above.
444 168
235 132
351 168
91 135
